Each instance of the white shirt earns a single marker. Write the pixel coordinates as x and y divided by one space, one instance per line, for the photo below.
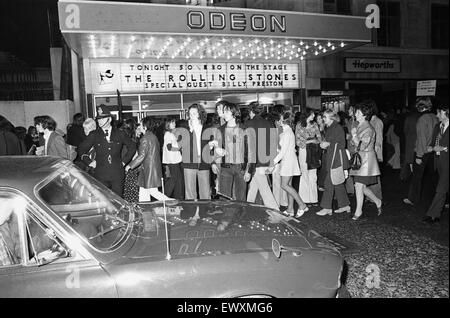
198 133
170 157
47 134
445 126
108 137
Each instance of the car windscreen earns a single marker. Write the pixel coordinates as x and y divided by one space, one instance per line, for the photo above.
99 215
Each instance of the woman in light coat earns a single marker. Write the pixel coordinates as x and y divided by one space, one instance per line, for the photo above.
365 136
149 162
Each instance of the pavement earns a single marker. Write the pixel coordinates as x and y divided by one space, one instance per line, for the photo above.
395 254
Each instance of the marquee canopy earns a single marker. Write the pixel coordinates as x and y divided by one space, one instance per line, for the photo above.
115 30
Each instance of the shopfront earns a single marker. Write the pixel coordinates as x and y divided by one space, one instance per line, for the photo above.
390 79
163 58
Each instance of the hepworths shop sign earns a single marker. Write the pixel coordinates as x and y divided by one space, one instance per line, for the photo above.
157 77
369 65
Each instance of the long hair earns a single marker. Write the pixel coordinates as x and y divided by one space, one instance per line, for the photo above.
47 122
286 117
303 118
129 127
201 112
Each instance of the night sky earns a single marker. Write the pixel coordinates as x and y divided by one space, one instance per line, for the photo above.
25 31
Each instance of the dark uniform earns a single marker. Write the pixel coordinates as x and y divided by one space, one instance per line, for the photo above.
109 169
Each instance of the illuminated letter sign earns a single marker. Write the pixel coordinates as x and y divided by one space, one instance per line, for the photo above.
238 22
217 20
258 26
196 20
281 25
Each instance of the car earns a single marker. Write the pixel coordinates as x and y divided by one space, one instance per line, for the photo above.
64 234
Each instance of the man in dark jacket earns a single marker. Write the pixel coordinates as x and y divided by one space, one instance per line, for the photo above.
108 143
425 127
266 149
9 142
439 146
410 133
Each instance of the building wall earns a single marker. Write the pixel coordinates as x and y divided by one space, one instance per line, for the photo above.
22 113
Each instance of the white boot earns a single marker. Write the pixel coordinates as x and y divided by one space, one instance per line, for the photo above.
324 212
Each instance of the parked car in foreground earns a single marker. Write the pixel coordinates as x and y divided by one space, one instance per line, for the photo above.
64 234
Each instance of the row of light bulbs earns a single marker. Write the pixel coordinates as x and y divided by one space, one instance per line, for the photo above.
228 48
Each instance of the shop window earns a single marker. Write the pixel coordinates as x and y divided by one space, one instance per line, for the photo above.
269 99
439 26
337 6
164 102
129 103
207 100
389 32
240 99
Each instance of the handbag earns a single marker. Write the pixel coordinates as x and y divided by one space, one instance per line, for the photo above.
355 160
313 156
337 174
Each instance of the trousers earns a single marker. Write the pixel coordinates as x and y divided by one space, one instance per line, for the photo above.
190 184
415 188
231 182
332 190
174 184
308 180
259 183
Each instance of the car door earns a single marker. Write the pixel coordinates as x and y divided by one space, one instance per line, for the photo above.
43 265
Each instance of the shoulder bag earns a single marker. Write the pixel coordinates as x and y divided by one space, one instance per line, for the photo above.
337 174
355 160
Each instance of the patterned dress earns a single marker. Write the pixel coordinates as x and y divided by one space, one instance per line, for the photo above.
130 187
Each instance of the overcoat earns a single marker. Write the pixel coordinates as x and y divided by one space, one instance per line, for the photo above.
149 162
369 162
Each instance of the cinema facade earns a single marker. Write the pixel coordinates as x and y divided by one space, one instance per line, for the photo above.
163 58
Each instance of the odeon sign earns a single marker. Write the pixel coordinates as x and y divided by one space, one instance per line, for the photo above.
236 21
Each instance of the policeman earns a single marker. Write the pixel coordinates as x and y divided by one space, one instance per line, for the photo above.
107 142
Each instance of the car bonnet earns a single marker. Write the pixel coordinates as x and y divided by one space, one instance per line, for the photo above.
201 228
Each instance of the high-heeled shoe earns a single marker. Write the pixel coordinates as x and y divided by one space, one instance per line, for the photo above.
380 209
300 212
288 213
356 217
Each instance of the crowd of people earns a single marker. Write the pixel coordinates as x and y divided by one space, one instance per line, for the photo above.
252 158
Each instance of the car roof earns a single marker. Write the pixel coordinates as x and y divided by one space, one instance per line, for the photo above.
23 171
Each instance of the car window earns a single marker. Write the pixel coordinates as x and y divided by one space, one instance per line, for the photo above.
44 246
99 215
10 243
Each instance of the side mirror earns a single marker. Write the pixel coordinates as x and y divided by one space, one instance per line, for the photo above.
276 248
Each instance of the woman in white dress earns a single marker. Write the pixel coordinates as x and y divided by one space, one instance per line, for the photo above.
287 159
